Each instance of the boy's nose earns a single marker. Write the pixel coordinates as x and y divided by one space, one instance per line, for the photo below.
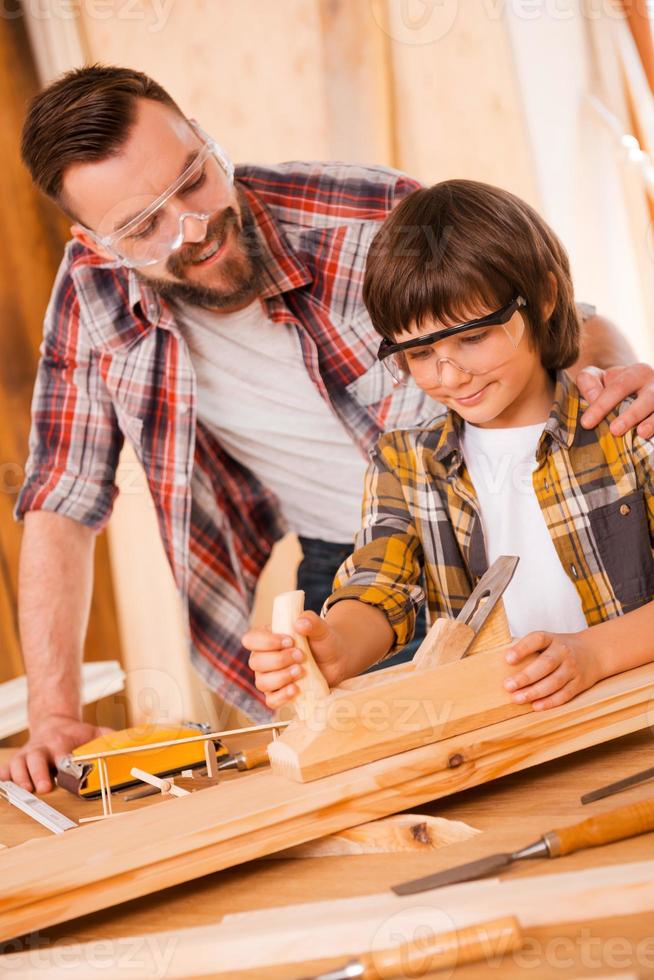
450 374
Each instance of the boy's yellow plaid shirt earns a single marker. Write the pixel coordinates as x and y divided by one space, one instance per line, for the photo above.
420 512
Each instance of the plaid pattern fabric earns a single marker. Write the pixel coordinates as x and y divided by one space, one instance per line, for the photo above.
421 512
114 365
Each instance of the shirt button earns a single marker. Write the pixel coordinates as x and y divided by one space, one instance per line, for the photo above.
184 408
546 484
152 312
573 569
625 509
180 480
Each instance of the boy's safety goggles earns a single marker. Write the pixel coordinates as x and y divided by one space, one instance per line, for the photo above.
158 228
475 347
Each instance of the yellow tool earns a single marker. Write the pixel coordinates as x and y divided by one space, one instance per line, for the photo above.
82 779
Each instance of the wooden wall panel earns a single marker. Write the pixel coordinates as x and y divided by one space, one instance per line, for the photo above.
458 106
32 239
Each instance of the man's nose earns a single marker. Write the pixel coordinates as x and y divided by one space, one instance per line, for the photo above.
194 228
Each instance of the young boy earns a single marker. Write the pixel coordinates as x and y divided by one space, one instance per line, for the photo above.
471 293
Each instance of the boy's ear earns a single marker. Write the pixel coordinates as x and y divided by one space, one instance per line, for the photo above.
550 304
81 234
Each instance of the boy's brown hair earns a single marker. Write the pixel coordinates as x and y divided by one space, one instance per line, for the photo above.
460 249
84 116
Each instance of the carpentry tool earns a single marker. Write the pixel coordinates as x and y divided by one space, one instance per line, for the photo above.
618 786
246 760
448 949
626 821
35 808
453 639
82 777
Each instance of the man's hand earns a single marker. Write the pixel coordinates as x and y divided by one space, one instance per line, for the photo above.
606 389
277 662
566 666
54 737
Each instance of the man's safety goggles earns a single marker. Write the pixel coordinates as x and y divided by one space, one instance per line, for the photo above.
158 228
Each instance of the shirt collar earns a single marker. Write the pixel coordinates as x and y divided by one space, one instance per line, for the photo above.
562 422
560 426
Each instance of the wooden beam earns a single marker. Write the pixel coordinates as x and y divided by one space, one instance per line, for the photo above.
109 862
293 934
388 716
392 835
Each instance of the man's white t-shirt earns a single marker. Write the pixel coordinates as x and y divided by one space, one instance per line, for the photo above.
500 463
255 395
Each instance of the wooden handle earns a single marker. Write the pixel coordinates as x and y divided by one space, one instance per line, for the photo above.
255 757
288 607
618 824
483 941
445 642
494 633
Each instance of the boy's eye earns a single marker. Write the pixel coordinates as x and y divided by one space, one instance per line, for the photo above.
418 353
473 338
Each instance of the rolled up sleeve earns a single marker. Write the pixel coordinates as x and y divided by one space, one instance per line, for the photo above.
74 440
386 566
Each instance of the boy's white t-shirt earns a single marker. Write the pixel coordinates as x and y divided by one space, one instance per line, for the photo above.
500 463
254 394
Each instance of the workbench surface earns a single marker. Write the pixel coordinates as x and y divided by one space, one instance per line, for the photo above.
510 812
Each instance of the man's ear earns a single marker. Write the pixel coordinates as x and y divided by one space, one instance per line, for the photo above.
82 235
550 304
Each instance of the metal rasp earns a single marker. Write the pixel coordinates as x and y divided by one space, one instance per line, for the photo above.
618 824
618 787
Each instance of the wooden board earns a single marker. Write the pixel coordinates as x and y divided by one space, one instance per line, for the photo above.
344 927
401 833
387 714
103 864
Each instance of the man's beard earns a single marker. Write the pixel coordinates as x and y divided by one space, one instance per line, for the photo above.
242 273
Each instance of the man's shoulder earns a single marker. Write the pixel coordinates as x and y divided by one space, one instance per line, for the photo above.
316 193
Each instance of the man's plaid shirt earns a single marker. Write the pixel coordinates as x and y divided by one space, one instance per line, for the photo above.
114 365
595 491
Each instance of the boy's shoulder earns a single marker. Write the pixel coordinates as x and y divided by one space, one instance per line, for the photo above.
399 448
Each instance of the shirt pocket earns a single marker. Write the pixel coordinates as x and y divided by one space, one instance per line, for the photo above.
621 532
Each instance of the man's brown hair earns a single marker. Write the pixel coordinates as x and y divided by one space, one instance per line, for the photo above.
84 116
460 249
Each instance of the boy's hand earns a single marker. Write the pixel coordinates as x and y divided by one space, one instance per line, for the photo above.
277 662
566 666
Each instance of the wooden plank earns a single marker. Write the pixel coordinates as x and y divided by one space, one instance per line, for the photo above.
292 934
104 864
386 716
401 833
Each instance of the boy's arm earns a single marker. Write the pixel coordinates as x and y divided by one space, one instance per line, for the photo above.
569 663
373 608
386 567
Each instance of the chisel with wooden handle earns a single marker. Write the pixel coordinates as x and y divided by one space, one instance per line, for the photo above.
448 949
618 824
